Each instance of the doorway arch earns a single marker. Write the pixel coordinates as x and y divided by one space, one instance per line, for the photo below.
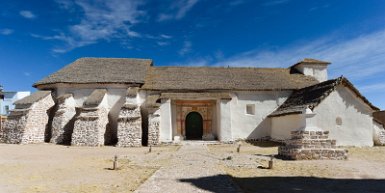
194 126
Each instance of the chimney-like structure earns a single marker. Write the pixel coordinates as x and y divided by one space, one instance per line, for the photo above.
312 67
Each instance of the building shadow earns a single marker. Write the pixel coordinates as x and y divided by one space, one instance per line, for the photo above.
294 184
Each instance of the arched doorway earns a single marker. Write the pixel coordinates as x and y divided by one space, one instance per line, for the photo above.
194 126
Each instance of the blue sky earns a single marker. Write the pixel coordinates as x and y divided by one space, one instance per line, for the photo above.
40 37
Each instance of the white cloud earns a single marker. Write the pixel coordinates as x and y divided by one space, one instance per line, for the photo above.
357 58
165 36
275 2
236 2
177 10
186 48
102 20
370 88
162 43
164 17
360 59
27 14
6 31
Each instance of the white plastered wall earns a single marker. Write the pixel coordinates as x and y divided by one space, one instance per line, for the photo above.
116 97
356 116
224 130
166 121
246 126
319 72
281 127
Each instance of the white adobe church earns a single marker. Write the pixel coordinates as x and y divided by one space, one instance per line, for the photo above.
131 102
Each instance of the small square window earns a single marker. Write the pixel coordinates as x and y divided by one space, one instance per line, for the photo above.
250 109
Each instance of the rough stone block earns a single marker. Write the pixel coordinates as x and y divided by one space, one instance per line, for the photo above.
305 145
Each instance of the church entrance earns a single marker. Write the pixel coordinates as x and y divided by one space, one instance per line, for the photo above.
194 126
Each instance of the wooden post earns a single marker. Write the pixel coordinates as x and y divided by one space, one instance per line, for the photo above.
239 147
271 162
115 163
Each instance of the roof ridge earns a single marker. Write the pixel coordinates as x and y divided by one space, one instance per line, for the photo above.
313 95
221 67
114 58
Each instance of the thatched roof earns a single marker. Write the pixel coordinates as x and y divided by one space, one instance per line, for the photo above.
379 116
312 96
95 98
29 100
310 61
221 95
220 78
100 70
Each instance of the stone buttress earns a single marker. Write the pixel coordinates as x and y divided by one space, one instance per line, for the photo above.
153 120
63 121
90 124
28 121
311 143
129 130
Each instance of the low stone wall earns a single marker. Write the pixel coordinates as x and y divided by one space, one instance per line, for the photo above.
311 145
153 127
129 126
90 127
27 125
63 121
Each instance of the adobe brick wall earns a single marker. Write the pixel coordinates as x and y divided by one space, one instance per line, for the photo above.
311 145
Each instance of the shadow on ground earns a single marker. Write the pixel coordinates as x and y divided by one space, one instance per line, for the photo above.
264 143
292 184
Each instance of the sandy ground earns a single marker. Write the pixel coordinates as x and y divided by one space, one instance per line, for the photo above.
364 171
55 168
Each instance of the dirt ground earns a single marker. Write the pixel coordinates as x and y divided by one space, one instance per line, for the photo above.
364 171
55 168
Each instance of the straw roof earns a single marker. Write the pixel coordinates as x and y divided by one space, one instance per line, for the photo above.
379 116
29 100
100 70
310 61
220 78
312 96
221 95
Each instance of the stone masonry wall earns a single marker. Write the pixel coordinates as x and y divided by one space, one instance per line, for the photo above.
311 145
153 127
62 124
90 127
380 137
15 125
129 126
28 125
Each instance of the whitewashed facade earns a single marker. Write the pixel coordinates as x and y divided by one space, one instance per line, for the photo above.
170 104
